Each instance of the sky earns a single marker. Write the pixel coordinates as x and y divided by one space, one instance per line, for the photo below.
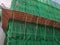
7 3
57 1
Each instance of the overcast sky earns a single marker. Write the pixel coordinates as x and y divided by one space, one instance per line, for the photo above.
8 2
57 1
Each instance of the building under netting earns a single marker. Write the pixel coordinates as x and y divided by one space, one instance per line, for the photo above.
27 33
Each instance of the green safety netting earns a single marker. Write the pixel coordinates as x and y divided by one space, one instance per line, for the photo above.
24 33
44 8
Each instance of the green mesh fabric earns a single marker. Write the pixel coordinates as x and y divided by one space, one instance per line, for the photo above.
44 8
24 33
